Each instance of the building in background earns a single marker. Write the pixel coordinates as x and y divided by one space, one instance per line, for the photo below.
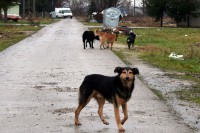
13 12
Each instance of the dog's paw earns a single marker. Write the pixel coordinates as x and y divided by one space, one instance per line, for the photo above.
121 129
105 122
77 123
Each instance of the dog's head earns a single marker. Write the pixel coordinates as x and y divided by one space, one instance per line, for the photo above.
97 32
126 74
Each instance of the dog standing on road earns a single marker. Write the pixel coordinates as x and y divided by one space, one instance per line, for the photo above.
89 37
116 90
131 39
104 36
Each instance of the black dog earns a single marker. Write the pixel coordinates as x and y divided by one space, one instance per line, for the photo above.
131 39
117 90
88 36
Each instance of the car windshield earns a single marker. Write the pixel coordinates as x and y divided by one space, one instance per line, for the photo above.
66 11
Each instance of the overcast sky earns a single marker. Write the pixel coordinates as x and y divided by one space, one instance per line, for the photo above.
137 2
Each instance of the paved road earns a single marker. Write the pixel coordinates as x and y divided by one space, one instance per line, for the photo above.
39 77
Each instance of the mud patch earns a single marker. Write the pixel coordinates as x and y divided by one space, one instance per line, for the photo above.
38 87
63 110
66 89
139 112
49 83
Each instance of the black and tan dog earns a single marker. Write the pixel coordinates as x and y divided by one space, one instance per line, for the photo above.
131 39
117 90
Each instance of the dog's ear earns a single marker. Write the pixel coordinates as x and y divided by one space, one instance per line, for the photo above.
118 70
135 71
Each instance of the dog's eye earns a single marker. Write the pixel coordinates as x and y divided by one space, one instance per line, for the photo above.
124 72
131 72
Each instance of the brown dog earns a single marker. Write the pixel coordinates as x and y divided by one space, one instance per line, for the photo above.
116 90
104 36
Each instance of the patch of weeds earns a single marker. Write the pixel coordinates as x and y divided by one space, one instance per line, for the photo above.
158 94
10 34
122 55
192 95
186 76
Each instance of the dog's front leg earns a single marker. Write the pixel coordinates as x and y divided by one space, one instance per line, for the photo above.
101 102
101 46
117 117
124 108
104 46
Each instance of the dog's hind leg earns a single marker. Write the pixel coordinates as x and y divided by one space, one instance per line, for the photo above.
111 44
124 108
90 44
129 46
77 112
101 102
83 101
83 43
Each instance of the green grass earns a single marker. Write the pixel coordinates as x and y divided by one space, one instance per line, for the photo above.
192 94
154 46
158 94
9 34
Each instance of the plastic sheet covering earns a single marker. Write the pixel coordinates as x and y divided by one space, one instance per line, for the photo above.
111 17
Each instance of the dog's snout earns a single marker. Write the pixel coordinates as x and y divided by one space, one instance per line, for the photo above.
127 78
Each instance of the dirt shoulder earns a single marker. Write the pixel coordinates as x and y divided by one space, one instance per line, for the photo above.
164 86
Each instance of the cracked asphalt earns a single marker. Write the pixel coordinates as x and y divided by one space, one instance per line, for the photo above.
39 80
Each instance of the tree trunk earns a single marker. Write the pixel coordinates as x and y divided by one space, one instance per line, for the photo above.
23 9
0 14
161 20
5 14
177 24
34 13
188 20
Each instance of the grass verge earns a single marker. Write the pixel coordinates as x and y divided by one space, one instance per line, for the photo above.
9 34
13 32
154 45
192 94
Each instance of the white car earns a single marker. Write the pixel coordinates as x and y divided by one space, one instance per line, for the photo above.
63 12
67 13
